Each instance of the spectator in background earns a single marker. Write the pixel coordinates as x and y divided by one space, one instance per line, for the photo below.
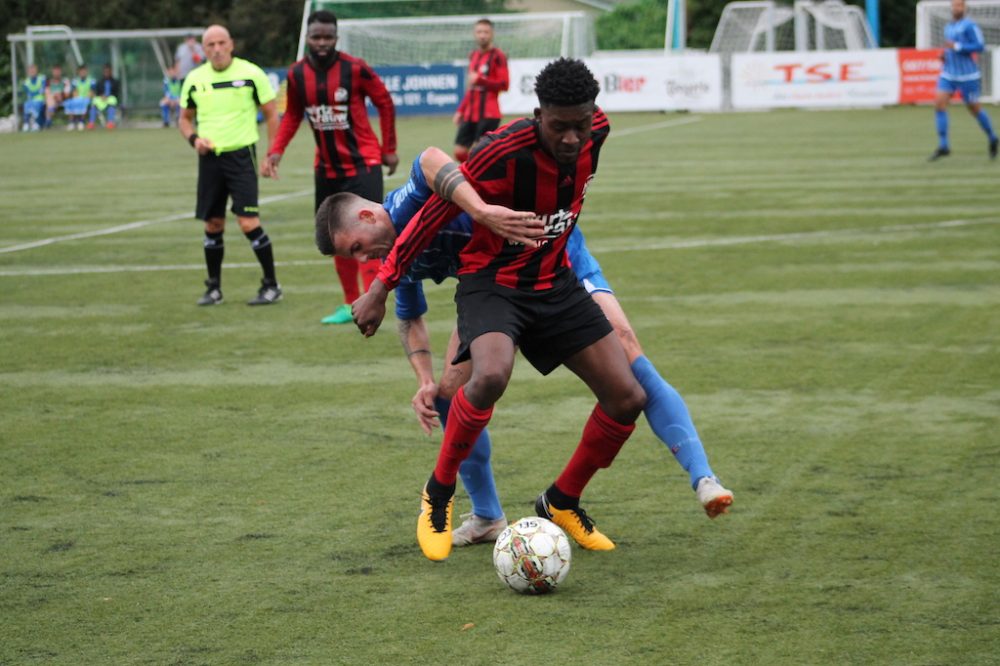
56 92
170 102
106 95
479 111
78 104
34 100
189 54
330 87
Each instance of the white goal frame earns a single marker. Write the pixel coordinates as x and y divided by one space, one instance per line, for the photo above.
986 13
816 25
576 38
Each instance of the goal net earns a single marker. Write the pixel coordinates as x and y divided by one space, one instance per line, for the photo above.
448 38
138 58
754 26
934 15
808 25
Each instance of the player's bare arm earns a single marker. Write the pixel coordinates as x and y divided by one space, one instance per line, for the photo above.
448 182
270 111
417 346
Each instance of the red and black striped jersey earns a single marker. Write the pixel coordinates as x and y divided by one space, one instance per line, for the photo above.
510 168
334 102
481 99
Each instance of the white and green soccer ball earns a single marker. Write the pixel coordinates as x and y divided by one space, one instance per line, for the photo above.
532 556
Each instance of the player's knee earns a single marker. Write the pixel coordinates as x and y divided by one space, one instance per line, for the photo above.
215 225
485 387
628 403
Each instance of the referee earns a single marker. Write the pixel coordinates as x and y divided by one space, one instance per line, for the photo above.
222 96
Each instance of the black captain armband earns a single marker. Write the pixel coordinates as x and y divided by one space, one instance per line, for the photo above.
193 138
447 180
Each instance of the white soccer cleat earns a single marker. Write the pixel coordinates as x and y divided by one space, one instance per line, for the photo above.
713 496
477 530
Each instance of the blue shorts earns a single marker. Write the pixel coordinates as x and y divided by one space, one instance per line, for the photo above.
968 89
76 106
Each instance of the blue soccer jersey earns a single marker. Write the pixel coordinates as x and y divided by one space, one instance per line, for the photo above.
959 61
441 258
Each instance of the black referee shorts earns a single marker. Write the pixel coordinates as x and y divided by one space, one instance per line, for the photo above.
469 132
230 174
367 184
549 326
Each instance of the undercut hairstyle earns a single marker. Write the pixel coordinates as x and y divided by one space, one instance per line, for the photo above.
322 16
566 82
331 218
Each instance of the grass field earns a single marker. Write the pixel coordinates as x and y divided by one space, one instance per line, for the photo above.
181 485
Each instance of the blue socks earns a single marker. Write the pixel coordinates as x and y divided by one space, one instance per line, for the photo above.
476 471
941 122
984 122
669 418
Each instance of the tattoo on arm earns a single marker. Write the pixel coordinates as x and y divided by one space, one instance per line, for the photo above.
447 180
404 327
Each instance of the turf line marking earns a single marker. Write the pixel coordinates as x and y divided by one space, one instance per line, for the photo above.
145 223
670 245
133 225
802 235
647 128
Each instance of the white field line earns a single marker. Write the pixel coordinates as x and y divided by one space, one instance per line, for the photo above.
803 236
646 128
279 197
132 225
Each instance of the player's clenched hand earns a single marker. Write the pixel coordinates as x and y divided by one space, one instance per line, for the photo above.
423 405
369 310
518 226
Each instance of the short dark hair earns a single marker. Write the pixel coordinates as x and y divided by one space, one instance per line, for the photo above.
330 218
566 82
485 21
322 16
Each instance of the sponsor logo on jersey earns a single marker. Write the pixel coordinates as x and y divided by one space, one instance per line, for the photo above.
325 118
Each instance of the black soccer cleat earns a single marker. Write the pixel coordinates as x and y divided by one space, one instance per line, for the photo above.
994 143
269 292
938 153
213 296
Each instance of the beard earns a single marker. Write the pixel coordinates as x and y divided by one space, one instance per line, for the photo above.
324 61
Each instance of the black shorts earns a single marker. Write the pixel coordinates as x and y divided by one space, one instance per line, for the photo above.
469 132
231 174
367 184
549 326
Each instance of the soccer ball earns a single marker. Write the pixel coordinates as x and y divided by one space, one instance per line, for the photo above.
532 556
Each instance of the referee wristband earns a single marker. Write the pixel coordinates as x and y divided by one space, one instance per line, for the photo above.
192 139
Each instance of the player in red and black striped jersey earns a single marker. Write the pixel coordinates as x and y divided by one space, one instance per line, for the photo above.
479 111
329 88
525 295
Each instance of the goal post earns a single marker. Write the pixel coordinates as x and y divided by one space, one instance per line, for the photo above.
138 58
934 15
806 25
421 40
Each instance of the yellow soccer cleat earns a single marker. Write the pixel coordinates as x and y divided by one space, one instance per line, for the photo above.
434 526
576 523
